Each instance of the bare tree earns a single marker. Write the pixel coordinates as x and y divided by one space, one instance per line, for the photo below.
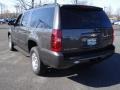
25 4
2 9
18 9
108 10
118 13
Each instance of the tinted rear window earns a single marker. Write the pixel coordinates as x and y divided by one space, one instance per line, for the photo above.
42 18
72 18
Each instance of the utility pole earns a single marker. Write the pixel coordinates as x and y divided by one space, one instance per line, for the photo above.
17 10
32 3
55 1
40 3
76 1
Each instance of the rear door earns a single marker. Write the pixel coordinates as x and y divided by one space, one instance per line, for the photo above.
41 24
85 28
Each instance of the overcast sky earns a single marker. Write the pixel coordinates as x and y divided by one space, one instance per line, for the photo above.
101 3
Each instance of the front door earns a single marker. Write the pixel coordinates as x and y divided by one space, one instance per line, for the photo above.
15 29
23 31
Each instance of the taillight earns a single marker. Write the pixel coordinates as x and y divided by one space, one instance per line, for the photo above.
56 40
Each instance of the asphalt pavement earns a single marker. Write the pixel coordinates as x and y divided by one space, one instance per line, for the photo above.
16 72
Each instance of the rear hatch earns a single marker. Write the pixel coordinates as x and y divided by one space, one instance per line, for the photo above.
84 28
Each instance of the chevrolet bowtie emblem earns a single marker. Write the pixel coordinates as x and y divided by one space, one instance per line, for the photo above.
93 35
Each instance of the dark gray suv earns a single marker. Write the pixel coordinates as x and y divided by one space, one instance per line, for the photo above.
61 36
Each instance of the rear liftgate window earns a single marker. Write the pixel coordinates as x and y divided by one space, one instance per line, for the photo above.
76 18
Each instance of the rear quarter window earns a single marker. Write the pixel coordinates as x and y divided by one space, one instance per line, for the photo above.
42 18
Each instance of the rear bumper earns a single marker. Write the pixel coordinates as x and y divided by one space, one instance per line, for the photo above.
61 61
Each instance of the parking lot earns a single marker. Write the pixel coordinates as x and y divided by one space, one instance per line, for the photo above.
16 72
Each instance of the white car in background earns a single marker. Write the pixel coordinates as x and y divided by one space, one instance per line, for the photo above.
117 23
2 21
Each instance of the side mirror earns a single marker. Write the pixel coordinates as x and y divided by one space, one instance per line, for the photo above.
11 23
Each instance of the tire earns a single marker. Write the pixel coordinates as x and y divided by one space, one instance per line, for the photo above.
37 66
10 43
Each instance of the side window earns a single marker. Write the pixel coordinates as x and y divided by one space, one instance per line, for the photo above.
25 19
42 18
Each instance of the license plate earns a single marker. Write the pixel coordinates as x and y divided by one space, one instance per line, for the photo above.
91 41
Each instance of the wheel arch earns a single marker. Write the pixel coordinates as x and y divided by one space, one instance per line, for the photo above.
31 43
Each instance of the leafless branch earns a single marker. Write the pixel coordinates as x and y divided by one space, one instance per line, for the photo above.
25 5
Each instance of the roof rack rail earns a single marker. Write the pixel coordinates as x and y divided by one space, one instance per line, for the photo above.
50 4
